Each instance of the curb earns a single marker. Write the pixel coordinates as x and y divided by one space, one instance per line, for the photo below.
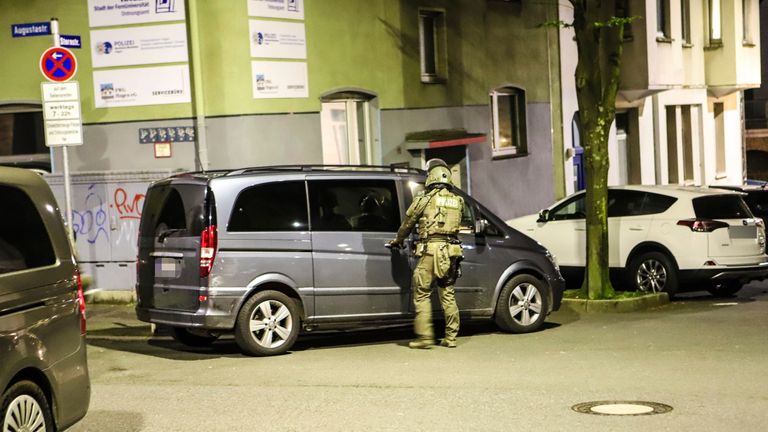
616 305
110 297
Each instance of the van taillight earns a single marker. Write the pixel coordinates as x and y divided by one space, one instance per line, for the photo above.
80 301
207 250
702 225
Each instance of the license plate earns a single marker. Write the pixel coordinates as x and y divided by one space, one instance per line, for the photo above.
166 267
743 232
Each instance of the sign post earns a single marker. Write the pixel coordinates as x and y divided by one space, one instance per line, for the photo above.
61 109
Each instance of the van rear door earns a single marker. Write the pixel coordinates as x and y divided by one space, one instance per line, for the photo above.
176 212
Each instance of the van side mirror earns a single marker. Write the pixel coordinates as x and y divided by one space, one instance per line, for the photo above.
481 226
543 215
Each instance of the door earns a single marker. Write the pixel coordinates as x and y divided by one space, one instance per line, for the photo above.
628 224
349 125
564 231
355 276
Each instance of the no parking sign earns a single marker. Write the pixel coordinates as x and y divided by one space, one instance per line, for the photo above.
58 64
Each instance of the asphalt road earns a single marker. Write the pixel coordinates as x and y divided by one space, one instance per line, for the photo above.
705 357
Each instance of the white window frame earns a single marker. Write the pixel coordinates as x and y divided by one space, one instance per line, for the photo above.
519 145
715 21
663 22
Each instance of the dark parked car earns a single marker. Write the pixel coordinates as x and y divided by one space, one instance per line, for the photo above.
44 383
756 197
267 252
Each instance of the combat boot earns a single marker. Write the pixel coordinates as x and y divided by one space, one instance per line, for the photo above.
421 344
448 343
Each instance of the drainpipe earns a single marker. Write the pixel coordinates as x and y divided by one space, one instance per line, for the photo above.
198 93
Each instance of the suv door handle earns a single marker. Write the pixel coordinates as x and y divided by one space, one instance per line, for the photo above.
636 229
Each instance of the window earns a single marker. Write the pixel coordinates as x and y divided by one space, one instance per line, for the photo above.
176 210
721 207
431 41
662 20
349 126
509 122
687 141
354 205
625 203
715 28
673 175
21 133
746 21
280 206
685 21
574 208
656 203
24 241
719 111
622 11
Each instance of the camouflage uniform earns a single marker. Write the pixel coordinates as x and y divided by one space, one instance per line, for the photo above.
438 212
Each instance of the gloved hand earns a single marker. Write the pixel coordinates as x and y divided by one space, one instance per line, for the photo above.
393 244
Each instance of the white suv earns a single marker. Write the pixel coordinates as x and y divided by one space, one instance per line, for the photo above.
661 238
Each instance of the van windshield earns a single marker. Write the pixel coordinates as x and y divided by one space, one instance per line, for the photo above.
174 209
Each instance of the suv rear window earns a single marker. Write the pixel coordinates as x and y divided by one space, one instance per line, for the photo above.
721 207
174 207
24 241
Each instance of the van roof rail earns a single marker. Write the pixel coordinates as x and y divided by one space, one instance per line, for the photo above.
306 168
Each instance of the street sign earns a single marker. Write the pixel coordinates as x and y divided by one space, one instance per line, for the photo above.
61 114
70 41
58 64
30 29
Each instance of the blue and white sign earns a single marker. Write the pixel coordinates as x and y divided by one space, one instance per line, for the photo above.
275 39
272 79
103 13
290 9
166 43
30 29
70 41
141 86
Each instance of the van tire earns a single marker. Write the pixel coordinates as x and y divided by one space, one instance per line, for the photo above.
268 324
193 337
523 304
18 394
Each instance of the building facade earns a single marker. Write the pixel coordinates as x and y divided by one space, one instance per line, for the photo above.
685 67
169 85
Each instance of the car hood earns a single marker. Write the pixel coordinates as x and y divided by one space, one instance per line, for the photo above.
523 223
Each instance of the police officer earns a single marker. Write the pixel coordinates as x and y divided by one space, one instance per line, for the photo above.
438 212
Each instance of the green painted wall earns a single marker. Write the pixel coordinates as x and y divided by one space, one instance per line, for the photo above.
368 44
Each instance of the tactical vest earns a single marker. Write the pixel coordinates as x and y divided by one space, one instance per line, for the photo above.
442 215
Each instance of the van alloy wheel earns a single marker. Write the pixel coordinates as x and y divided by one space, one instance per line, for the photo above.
523 304
267 324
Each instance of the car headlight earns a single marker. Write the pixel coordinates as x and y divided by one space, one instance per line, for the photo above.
553 260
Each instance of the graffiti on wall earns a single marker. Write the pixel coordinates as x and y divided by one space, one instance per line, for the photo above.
90 221
127 206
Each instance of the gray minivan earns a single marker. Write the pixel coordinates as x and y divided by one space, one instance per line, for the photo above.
266 252
44 383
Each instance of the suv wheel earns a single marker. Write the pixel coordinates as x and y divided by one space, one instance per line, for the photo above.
24 407
523 304
194 337
725 289
653 272
268 324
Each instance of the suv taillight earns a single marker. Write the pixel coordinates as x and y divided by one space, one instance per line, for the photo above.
207 250
702 225
80 301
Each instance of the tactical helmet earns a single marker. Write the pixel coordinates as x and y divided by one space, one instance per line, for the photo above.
437 172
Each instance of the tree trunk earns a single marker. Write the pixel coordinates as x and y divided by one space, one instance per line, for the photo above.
599 40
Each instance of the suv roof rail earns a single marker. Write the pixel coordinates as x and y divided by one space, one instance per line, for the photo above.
387 168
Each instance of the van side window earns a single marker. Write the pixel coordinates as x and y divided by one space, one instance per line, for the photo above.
280 206
356 205
24 241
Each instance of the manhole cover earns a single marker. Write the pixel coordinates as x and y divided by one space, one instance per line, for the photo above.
622 408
